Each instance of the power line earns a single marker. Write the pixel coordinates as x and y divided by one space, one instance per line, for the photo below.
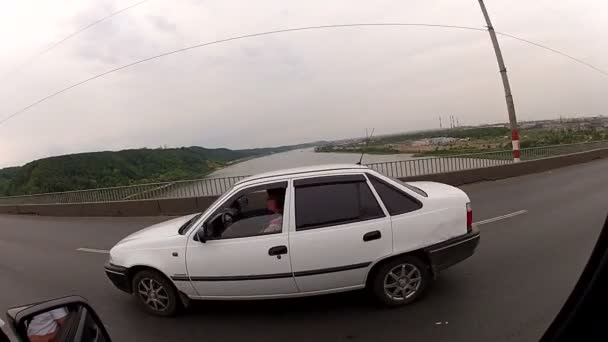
217 42
77 32
555 51
269 33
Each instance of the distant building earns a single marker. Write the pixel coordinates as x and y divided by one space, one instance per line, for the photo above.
528 125
441 141
421 142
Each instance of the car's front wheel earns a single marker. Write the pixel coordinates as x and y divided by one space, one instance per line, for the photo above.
401 280
155 293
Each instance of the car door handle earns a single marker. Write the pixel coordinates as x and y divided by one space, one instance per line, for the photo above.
375 235
277 250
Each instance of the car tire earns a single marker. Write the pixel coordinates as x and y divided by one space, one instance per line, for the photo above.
155 293
400 281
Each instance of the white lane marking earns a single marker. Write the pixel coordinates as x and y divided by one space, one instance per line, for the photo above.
93 250
498 218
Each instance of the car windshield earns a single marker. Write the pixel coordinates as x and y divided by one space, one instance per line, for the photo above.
436 170
186 226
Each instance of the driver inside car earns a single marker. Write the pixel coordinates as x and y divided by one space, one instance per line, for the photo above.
45 326
274 203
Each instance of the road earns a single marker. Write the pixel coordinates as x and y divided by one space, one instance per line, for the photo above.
510 290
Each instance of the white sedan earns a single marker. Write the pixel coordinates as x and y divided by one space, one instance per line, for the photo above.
300 232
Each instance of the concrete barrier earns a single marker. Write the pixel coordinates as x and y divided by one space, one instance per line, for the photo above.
8 209
183 206
203 203
492 173
124 208
162 207
177 206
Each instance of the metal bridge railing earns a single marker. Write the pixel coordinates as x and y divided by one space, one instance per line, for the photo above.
217 186
440 164
177 189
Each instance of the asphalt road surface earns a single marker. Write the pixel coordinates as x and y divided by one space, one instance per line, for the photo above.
510 290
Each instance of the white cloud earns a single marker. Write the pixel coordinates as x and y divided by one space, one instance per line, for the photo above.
284 88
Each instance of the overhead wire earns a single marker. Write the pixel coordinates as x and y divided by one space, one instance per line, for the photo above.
212 43
75 33
172 52
555 51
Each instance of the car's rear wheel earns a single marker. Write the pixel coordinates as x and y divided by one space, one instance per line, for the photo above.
155 293
401 281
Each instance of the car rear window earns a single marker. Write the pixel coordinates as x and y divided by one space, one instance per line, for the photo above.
396 201
411 187
327 204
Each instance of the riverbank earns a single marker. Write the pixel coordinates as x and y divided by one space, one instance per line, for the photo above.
466 142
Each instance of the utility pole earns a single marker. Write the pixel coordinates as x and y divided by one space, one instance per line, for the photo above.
505 83
440 127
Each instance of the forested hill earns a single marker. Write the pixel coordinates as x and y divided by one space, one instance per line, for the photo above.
106 169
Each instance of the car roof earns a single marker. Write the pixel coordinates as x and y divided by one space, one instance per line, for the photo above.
303 170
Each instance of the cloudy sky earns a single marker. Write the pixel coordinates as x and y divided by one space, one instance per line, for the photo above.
284 88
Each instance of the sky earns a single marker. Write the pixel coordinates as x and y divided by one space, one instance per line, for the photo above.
285 88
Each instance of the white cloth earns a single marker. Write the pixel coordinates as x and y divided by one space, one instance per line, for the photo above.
275 225
46 323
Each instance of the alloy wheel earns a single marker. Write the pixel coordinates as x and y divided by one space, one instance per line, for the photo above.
153 294
402 281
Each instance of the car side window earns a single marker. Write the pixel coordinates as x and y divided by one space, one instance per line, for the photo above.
250 212
396 201
333 200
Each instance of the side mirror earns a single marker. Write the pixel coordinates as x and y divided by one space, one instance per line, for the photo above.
201 234
68 319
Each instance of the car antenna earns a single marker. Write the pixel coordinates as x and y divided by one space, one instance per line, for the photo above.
367 139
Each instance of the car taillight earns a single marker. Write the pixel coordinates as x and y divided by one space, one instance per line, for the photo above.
469 218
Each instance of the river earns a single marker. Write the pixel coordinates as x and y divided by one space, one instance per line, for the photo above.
221 180
301 157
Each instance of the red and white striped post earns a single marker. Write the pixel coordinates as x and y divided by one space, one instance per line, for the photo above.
505 83
515 143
